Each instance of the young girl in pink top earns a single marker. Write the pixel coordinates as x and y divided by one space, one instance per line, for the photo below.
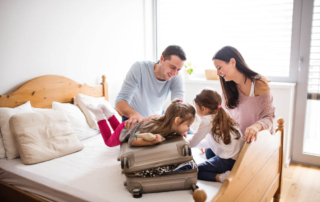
221 134
177 120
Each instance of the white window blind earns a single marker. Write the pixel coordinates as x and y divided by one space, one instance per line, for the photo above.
314 63
259 29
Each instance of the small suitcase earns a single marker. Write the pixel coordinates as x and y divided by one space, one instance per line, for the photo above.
173 181
171 151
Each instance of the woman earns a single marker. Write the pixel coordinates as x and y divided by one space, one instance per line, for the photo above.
246 94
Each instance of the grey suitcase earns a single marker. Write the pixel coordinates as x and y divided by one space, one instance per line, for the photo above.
174 181
174 150
171 151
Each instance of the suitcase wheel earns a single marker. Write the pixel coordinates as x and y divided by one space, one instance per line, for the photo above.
194 187
136 193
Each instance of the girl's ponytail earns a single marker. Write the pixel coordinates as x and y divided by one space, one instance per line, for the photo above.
222 125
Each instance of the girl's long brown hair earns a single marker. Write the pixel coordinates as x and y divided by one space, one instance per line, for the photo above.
222 125
163 125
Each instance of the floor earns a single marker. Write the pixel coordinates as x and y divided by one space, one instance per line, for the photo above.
301 183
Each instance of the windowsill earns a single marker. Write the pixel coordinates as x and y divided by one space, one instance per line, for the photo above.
217 82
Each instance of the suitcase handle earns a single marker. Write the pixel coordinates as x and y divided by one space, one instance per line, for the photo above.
186 150
125 162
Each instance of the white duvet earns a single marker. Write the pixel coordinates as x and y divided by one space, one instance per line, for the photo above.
93 174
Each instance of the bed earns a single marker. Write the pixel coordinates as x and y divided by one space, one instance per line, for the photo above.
93 174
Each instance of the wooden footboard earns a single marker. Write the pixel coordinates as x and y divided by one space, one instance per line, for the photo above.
257 173
10 193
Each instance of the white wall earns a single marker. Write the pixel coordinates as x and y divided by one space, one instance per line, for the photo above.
81 40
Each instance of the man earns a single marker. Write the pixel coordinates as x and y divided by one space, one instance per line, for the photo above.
147 85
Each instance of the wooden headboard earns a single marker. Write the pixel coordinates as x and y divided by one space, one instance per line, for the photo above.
43 90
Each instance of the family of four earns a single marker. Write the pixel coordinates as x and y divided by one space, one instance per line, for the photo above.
227 121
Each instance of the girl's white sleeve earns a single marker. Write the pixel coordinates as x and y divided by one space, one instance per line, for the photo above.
198 138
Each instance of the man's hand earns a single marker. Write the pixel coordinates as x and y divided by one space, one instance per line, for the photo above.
152 117
132 120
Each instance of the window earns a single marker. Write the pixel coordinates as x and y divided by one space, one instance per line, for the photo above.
260 30
314 63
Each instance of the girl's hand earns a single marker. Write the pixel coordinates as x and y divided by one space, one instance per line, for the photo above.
185 134
203 150
158 139
252 132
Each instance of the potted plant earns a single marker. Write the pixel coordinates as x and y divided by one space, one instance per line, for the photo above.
188 70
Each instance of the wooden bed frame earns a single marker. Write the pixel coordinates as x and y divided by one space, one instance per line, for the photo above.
256 175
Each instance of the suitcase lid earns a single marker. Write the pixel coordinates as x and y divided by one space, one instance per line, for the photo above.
171 151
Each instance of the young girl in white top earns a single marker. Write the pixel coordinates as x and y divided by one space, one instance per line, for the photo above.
219 132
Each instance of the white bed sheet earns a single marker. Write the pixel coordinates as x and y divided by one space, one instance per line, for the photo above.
93 174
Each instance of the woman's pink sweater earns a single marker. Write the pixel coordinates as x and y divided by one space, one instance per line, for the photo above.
251 110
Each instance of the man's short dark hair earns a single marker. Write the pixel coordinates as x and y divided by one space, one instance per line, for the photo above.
174 50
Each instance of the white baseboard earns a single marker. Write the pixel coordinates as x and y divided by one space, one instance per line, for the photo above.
287 163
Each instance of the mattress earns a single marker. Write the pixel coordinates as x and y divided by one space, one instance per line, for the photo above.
93 174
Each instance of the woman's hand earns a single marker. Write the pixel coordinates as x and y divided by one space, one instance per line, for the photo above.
252 132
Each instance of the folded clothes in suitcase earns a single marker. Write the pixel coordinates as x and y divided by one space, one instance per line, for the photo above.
172 155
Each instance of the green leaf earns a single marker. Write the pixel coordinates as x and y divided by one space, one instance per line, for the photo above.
190 71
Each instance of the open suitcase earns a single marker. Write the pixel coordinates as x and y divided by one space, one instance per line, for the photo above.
174 150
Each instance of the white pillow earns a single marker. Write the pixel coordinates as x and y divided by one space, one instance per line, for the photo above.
42 136
84 100
2 151
77 120
40 109
11 150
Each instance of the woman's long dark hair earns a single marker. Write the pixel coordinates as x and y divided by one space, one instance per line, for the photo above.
230 90
222 125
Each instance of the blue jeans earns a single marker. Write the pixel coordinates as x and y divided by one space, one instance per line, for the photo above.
216 165
124 118
209 153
